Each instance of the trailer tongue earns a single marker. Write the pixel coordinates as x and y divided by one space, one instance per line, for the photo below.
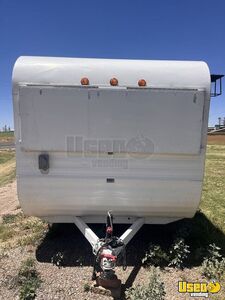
109 250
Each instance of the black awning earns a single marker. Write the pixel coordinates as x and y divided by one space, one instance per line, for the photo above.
215 77
216 89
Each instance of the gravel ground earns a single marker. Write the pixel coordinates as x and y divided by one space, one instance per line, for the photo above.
68 282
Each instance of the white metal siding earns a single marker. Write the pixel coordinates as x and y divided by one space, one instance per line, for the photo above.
170 119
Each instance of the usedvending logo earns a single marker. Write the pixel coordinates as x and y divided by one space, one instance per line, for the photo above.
199 289
135 146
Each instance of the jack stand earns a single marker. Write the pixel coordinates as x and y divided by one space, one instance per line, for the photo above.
108 252
110 292
111 282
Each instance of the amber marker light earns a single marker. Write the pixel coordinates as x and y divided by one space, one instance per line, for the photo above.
142 82
84 81
114 82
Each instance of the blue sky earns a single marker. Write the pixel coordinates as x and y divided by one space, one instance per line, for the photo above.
144 29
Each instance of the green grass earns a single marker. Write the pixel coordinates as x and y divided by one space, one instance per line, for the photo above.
6 134
10 225
6 232
7 167
34 230
208 225
213 195
9 218
6 156
19 230
8 177
7 137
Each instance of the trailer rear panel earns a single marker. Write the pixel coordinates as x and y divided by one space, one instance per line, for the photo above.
138 151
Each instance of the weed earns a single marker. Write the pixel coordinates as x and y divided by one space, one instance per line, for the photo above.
57 259
154 290
31 239
176 257
179 252
33 224
6 232
28 279
27 269
28 290
86 287
213 265
9 218
35 230
155 256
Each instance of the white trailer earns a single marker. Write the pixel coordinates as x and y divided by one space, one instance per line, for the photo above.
98 135
136 150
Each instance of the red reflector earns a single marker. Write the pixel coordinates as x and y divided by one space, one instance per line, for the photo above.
142 82
84 81
114 81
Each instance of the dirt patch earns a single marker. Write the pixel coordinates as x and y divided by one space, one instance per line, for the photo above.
9 203
216 139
